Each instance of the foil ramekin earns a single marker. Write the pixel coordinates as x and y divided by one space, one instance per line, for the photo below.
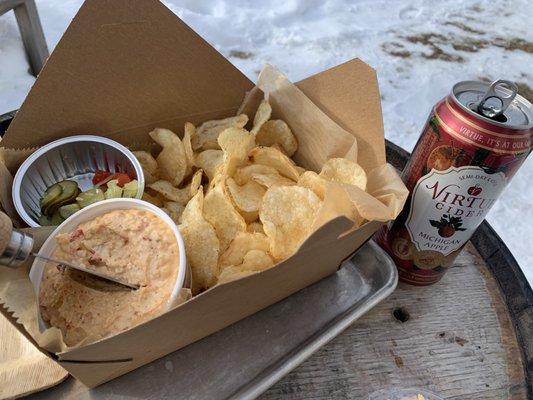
76 158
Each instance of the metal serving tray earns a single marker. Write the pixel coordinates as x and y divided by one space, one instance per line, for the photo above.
245 359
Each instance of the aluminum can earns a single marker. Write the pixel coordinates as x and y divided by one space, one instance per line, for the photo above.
474 141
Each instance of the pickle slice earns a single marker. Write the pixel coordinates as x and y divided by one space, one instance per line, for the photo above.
45 220
69 209
50 195
130 189
89 197
56 219
68 195
113 190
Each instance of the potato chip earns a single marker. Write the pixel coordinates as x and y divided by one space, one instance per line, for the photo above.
238 121
262 115
246 197
244 174
171 161
172 193
236 144
262 174
277 132
207 134
148 164
270 180
287 213
311 180
300 170
194 209
220 212
249 216
155 200
275 158
209 161
174 210
242 244
149 177
147 161
196 182
255 227
201 244
344 171
278 147
189 133
217 179
233 273
256 260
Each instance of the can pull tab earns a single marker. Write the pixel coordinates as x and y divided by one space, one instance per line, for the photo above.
496 100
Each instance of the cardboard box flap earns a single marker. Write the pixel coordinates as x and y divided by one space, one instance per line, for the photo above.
349 95
161 70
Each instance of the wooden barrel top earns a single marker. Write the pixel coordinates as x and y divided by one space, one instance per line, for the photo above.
468 337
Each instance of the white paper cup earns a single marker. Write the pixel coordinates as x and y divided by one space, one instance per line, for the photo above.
91 212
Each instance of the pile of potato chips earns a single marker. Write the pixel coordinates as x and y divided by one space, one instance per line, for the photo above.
240 201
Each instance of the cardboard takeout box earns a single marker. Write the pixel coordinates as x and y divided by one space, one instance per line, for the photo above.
124 67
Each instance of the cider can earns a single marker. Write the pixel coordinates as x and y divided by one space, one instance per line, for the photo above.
474 141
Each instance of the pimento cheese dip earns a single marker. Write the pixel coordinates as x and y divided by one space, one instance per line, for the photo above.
133 245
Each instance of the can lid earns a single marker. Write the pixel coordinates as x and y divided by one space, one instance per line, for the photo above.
498 103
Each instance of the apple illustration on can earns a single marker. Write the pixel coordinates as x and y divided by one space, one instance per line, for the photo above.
474 190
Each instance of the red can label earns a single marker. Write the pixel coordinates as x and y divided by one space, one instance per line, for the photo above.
458 169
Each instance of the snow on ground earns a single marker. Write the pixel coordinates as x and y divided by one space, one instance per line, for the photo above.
419 48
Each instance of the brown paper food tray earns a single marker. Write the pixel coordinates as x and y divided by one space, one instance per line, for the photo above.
124 67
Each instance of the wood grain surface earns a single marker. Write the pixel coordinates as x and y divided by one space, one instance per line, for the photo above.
458 341
23 368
